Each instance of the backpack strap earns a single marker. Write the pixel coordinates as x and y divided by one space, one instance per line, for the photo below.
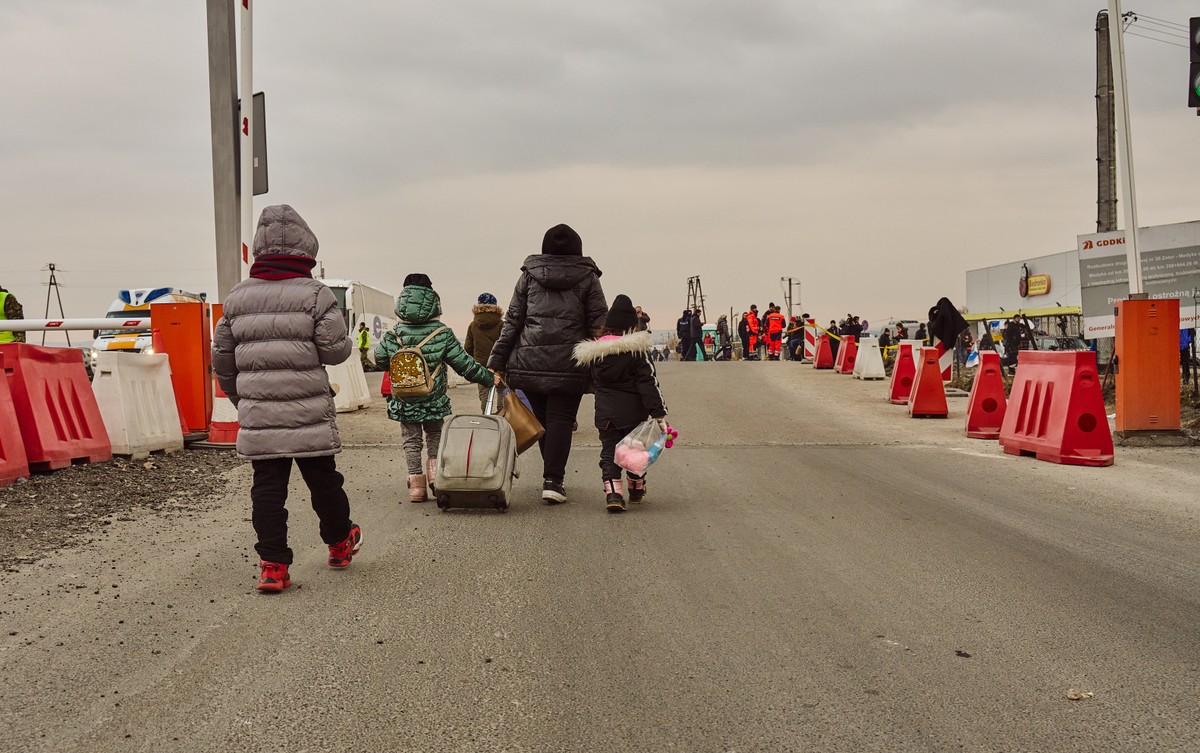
432 335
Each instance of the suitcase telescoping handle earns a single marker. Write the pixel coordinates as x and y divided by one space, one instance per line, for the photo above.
491 402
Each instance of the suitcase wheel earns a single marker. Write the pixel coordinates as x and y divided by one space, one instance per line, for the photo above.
443 501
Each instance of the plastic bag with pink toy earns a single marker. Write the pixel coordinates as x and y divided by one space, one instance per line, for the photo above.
644 445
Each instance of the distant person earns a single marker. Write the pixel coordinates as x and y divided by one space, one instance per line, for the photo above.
627 392
901 332
885 338
643 320
753 330
921 334
482 333
1185 353
363 341
985 340
10 309
834 333
724 343
683 330
775 324
696 329
418 310
743 331
279 329
558 303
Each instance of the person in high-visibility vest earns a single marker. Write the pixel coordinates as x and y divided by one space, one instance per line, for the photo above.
775 323
10 308
364 344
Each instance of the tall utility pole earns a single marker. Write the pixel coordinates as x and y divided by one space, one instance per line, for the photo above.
53 284
789 284
1125 154
223 117
1106 140
695 297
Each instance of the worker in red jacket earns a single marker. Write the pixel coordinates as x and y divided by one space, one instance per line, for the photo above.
775 323
754 328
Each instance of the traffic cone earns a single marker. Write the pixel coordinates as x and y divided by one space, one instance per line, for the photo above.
903 374
847 355
987 404
928 398
824 359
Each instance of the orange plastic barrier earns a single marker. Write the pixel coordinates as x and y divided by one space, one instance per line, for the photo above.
1148 351
986 406
56 410
1056 410
184 333
928 397
13 463
847 355
903 374
824 359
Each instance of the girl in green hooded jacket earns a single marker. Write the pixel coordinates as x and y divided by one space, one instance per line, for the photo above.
418 309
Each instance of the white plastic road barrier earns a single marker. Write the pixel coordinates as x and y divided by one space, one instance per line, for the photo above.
137 403
870 361
349 385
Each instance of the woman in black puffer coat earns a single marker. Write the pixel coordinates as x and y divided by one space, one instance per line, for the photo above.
558 302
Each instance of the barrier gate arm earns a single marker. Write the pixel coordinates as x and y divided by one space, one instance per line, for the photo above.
41 325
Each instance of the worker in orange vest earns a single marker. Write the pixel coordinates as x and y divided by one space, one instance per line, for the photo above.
775 322
753 327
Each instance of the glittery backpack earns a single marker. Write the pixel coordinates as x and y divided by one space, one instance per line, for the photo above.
409 371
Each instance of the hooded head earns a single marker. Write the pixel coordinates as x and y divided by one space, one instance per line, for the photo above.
416 278
283 232
621 316
362 325
561 240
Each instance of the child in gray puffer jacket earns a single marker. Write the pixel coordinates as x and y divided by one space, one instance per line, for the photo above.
279 329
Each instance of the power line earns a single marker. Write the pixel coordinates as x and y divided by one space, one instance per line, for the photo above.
1156 39
1162 21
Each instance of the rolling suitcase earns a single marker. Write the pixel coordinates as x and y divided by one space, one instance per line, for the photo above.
477 461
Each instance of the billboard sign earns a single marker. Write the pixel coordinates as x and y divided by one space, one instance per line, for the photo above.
1170 269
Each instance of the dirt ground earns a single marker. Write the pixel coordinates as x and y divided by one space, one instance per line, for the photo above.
53 510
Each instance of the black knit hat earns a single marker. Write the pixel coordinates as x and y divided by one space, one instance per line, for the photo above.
621 316
561 240
416 278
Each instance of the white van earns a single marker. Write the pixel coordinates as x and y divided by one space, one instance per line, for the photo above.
135 304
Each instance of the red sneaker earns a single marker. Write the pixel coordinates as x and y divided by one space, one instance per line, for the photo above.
274 577
341 553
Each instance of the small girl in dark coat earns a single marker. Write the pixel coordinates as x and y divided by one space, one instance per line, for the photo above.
627 392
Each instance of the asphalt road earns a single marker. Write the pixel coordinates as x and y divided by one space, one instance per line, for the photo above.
813 571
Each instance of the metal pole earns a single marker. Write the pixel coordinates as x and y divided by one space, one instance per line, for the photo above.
1106 167
1125 150
223 122
246 145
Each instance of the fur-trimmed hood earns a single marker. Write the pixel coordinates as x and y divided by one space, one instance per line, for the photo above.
589 352
487 308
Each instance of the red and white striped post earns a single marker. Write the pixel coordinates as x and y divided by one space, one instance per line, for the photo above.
246 146
810 339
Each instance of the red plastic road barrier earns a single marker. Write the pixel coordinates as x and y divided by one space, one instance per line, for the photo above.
841 357
13 463
824 359
847 355
1056 410
156 341
385 387
903 374
928 397
56 410
986 406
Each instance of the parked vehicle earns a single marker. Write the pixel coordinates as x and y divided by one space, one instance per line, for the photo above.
360 302
134 304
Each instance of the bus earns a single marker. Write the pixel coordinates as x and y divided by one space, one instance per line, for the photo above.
362 303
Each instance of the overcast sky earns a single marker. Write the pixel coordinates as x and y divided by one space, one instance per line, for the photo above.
875 150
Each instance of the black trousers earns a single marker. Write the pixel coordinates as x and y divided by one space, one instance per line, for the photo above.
557 413
609 470
269 494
